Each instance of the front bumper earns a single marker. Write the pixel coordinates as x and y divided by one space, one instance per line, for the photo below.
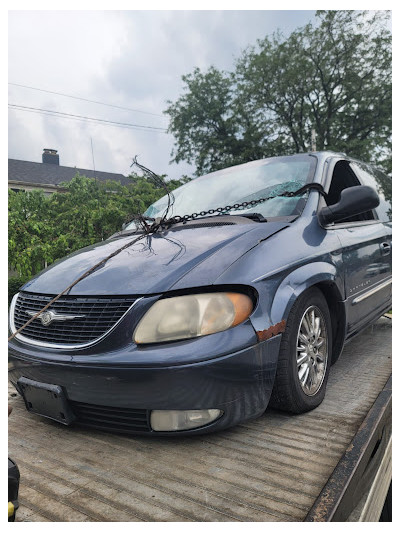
238 383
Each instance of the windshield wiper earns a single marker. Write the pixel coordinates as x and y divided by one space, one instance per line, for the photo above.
258 217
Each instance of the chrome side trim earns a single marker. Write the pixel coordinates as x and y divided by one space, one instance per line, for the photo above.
33 342
371 292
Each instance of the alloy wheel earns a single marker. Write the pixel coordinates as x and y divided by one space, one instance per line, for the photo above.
311 350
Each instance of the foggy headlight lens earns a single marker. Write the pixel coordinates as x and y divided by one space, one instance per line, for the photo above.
194 315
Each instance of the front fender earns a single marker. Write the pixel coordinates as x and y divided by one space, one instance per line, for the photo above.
299 281
276 296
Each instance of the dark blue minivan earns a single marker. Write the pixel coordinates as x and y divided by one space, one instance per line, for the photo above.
244 299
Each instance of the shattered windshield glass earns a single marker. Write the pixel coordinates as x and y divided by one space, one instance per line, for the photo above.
243 183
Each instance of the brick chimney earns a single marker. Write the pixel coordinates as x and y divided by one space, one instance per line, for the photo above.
50 156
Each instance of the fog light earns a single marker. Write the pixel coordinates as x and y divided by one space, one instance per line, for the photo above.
180 420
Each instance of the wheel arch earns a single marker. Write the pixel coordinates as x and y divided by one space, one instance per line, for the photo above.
337 312
323 276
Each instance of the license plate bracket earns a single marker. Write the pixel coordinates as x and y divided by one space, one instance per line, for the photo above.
46 400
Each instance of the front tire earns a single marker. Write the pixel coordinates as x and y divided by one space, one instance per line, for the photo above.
305 355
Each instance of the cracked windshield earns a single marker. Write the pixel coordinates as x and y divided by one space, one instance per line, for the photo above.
243 184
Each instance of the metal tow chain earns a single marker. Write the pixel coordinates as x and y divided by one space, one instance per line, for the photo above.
251 203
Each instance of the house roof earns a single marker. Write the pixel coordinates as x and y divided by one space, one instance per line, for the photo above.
52 174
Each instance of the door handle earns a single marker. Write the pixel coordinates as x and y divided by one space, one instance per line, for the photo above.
385 247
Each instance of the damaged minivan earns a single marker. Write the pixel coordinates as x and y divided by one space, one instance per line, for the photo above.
243 298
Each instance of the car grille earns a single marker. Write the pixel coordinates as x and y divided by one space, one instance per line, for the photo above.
118 419
100 315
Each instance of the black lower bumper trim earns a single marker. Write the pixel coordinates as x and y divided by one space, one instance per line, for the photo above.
118 419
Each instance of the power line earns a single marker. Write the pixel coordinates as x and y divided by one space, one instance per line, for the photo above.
87 100
81 117
59 114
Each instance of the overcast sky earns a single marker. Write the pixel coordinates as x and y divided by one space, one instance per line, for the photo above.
130 59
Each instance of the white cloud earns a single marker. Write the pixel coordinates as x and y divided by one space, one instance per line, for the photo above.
126 58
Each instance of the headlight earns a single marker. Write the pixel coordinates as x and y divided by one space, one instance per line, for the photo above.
184 317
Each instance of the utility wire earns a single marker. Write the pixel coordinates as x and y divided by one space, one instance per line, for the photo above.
87 100
60 114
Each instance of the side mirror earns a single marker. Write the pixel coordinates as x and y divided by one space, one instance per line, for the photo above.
353 201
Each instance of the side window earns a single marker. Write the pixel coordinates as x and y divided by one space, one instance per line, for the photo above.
381 183
342 178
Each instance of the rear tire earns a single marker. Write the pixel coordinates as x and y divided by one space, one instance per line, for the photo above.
305 355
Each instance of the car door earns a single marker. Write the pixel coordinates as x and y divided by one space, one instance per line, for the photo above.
382 183
365 252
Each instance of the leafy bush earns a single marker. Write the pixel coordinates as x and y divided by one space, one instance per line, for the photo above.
45 228
14 285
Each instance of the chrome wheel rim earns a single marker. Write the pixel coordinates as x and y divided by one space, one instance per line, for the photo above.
312 350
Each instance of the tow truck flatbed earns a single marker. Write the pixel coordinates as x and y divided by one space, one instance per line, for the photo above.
333 463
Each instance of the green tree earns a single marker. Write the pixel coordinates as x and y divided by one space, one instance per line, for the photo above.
332 76
45 228
205 123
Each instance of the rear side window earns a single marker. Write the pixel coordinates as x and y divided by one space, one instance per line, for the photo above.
381 183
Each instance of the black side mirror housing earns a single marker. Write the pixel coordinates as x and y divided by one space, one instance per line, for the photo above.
353 201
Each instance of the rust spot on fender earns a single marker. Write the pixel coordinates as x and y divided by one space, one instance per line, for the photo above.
271 331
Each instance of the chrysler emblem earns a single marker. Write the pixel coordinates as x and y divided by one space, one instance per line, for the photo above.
48 317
